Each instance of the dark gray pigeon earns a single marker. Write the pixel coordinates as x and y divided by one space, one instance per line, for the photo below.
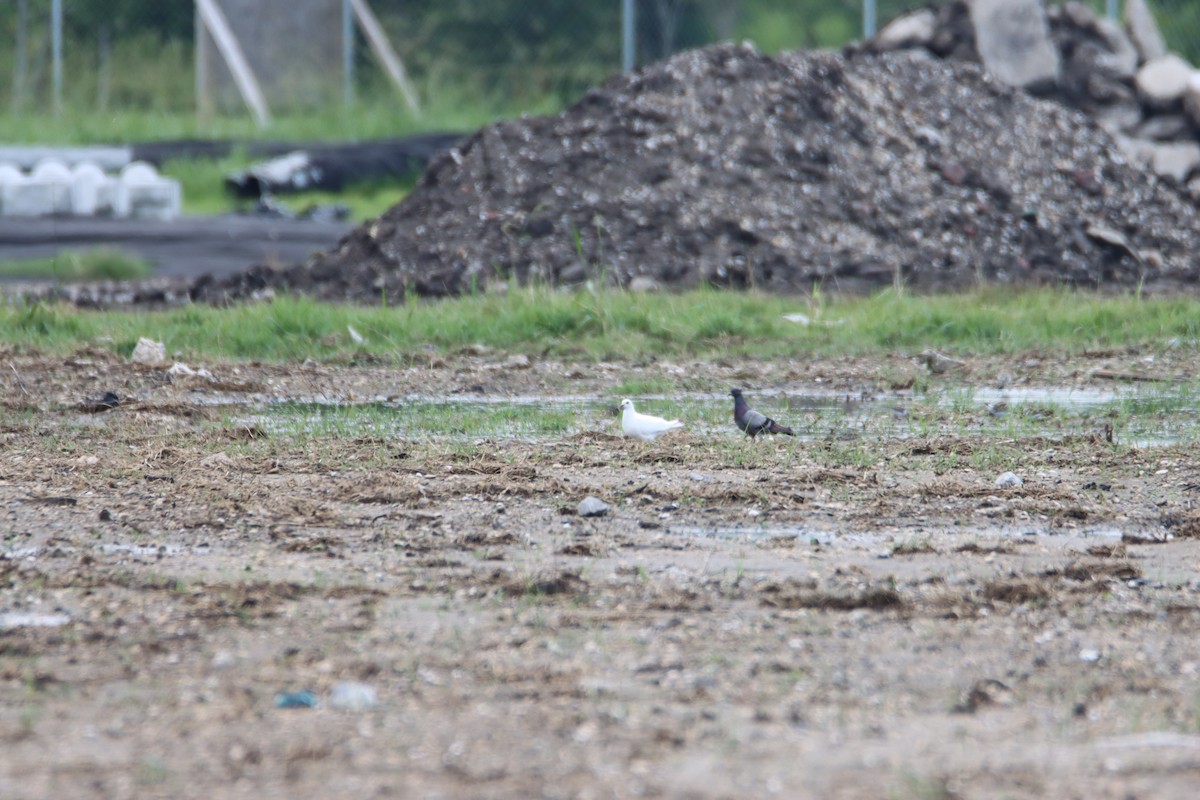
752 422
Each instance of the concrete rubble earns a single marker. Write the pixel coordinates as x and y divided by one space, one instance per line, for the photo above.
1121 75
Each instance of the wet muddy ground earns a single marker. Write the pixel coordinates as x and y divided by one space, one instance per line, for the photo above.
858 612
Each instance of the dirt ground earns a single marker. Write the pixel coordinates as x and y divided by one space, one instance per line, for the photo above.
749 619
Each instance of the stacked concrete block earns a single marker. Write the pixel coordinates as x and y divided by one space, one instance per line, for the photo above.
51 187
92 191
55 179
141 192
22 196
11 178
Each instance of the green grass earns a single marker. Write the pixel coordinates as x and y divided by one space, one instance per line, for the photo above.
419 419
100 263
638 386
593 326
372 118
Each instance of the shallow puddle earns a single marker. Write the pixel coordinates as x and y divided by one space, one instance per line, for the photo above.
1140 416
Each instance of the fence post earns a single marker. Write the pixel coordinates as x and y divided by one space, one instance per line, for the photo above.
382 48
227 45
56 55
628 28
868 18
1112 10
347 53
21 68
204 104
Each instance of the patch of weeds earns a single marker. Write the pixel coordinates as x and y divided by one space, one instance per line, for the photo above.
29 717
914 545
944 462
72 266
853 453
996 457
157 580
962 401
535 588
919 787
643 385
151 772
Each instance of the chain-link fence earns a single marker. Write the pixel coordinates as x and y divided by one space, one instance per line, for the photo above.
108 56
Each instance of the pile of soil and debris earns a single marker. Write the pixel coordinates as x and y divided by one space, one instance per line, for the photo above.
730 167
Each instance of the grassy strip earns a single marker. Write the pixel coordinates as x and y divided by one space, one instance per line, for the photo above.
96 264
618 325
373 117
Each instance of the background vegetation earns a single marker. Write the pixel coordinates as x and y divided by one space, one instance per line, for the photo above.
498 57
129 68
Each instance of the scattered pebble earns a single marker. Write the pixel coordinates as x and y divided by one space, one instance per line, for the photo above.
148 351
224 659
181 370
105 402
1089 654
592 507
517 361
1009 479
939 363
351 696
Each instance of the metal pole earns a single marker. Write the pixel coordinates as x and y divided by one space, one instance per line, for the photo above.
203 98
347 53
22 66
56 25
628 45
1112 10
868 18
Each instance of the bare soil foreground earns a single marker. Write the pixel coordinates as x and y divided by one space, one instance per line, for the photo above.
840 615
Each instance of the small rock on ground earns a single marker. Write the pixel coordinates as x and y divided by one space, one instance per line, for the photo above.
592 507
1009 479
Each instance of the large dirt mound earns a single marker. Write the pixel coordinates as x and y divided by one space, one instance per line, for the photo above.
730 167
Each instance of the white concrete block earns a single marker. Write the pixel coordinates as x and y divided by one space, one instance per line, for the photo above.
55 176
19 197
92 191
141 192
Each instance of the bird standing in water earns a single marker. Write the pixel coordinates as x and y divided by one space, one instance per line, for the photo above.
752 422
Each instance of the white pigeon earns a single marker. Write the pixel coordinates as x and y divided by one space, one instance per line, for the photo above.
644 426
